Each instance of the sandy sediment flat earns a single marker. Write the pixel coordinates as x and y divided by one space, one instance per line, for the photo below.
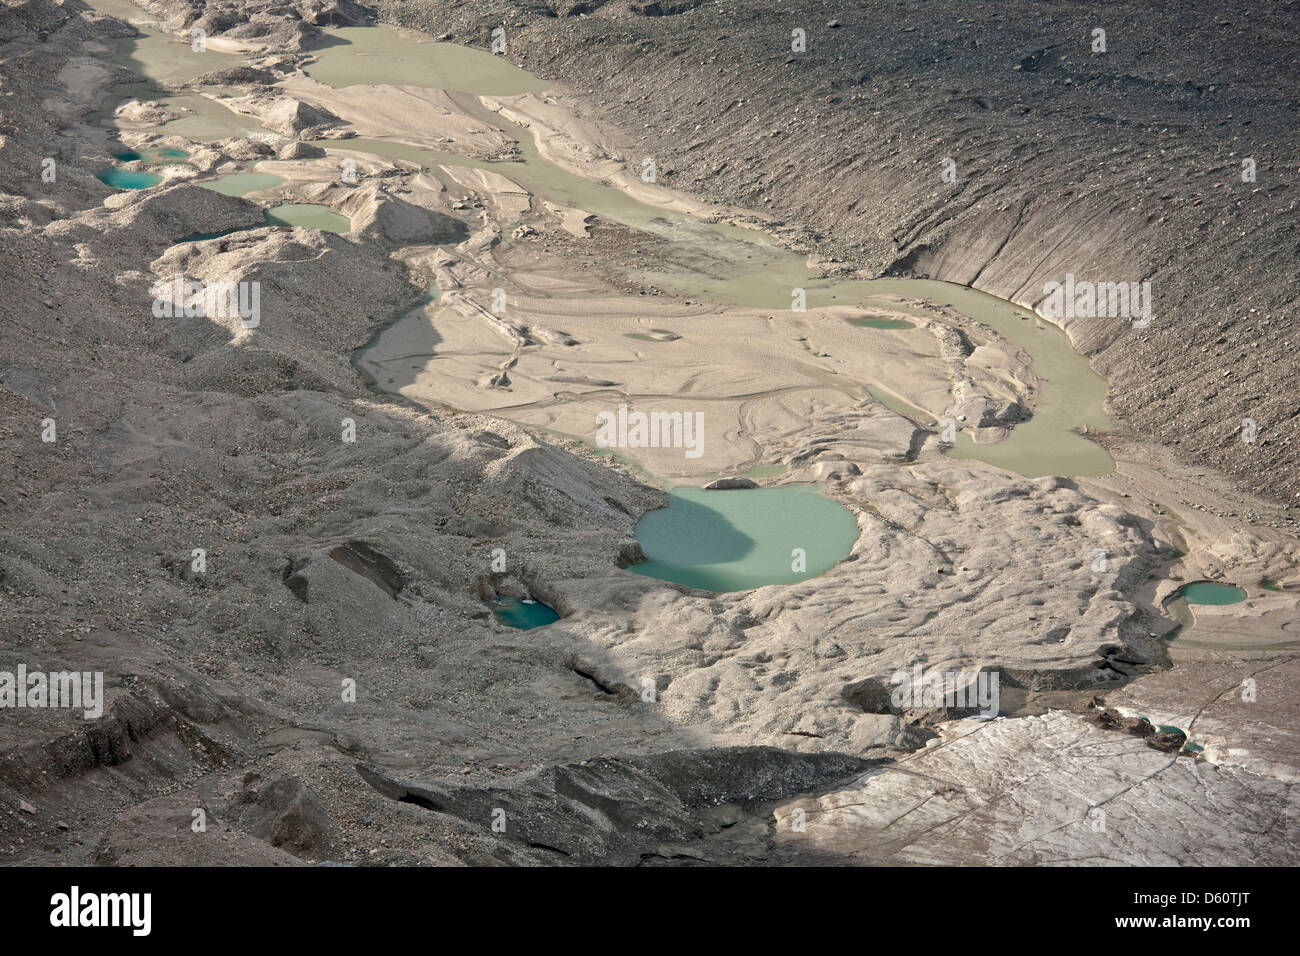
370 559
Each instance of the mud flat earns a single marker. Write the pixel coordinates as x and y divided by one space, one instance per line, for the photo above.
1143 177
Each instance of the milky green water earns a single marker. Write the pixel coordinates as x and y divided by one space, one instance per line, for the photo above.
163 60
1211 593
743 267
165 156
375 56
290 214
140 179
736 540
1072 394
155 53
158 156
718 261
524 615
128 178
240 184
307 214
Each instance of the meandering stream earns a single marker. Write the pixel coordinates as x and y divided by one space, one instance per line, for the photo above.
721 262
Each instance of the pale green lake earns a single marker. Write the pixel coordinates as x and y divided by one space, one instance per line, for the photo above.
719 540
736 540
127 178
1203 593
376 56
312 215
896 324
163 60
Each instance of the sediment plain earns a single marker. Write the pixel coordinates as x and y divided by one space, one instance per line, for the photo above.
653 724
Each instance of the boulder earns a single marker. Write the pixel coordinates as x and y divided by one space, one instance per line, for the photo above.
300 150
731 483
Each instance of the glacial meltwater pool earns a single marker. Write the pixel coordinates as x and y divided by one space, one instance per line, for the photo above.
732 264
1211 592
741 539
165 156
311 215
1203 593
127 178
240 184
155 156
760 273
379 55
523 614
139 178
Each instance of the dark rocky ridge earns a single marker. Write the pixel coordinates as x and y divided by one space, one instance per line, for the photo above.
1116 166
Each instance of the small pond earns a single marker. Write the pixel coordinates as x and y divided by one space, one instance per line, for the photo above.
741 539
523 614
877 323
1210 592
